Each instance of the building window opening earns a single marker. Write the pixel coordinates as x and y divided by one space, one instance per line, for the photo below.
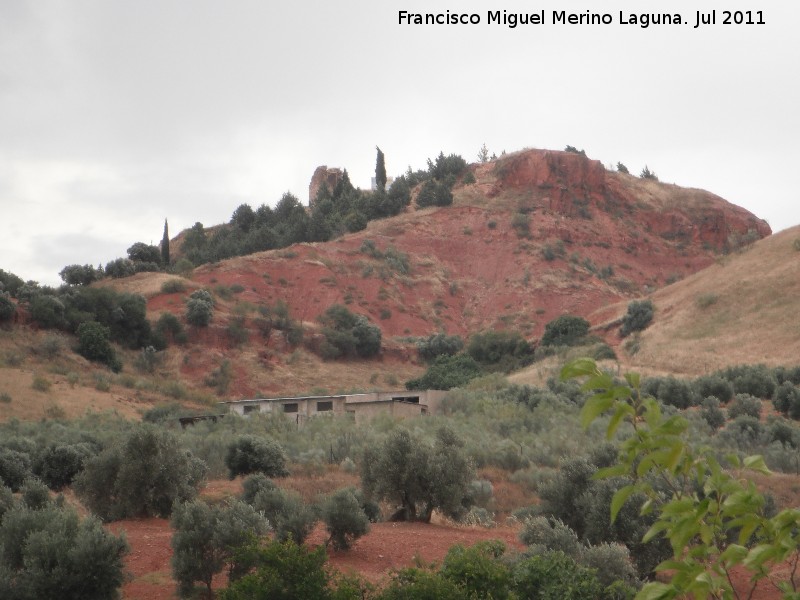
290 408
324 405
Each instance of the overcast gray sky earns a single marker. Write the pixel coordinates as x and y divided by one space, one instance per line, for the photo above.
117 114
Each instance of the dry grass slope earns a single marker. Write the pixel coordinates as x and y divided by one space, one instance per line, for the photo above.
741 310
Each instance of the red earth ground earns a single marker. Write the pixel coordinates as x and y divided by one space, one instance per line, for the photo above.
386 547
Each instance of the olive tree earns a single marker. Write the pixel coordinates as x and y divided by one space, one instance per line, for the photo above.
417 476
206 539
250 454
140 476
50 552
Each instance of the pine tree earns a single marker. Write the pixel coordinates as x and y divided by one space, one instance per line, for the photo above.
380 171
165 245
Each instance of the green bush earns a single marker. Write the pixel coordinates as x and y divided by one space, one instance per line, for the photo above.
200 308
566 330
756 380
611 563
477 571
120 267
712 413
713 385
554 575
59 464
40 384
348 334
171 328
289 516
434 193
503 351
520 222
648 174
638 317
281 570
51 553
418 477
446 372
15 468
671 391
93 344
744 404
786 399
51 346
173 286
7 308
439 344
344 519
249 454
418 584
550 534
206 538
254 484
141 475
236 331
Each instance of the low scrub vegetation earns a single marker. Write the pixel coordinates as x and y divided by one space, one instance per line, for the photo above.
411 470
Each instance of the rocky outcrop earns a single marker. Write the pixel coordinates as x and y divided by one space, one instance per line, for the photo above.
323 175
572 185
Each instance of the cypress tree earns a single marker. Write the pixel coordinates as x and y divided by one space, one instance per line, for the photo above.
380 171
165 245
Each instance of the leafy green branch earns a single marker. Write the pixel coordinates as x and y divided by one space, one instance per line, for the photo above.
713 516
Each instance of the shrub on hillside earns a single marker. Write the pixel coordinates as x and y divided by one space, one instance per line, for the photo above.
7 308
141 475
756 380
34 494
50 552
477 571
250 454
254 484
289 516
200 308
566 330
93 344
550 534
611 563
348 334
744 404
434 193
712 413
713 385
281 570
344 518
418 477
120 267
59 464
638 317
206 539
439 344
786 399
173 286
500 350
555 575
15 468
446 372
671 391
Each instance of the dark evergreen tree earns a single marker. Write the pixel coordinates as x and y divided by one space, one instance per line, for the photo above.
380 171
243 217
165 245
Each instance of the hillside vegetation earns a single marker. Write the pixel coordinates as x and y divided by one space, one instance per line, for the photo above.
529 237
